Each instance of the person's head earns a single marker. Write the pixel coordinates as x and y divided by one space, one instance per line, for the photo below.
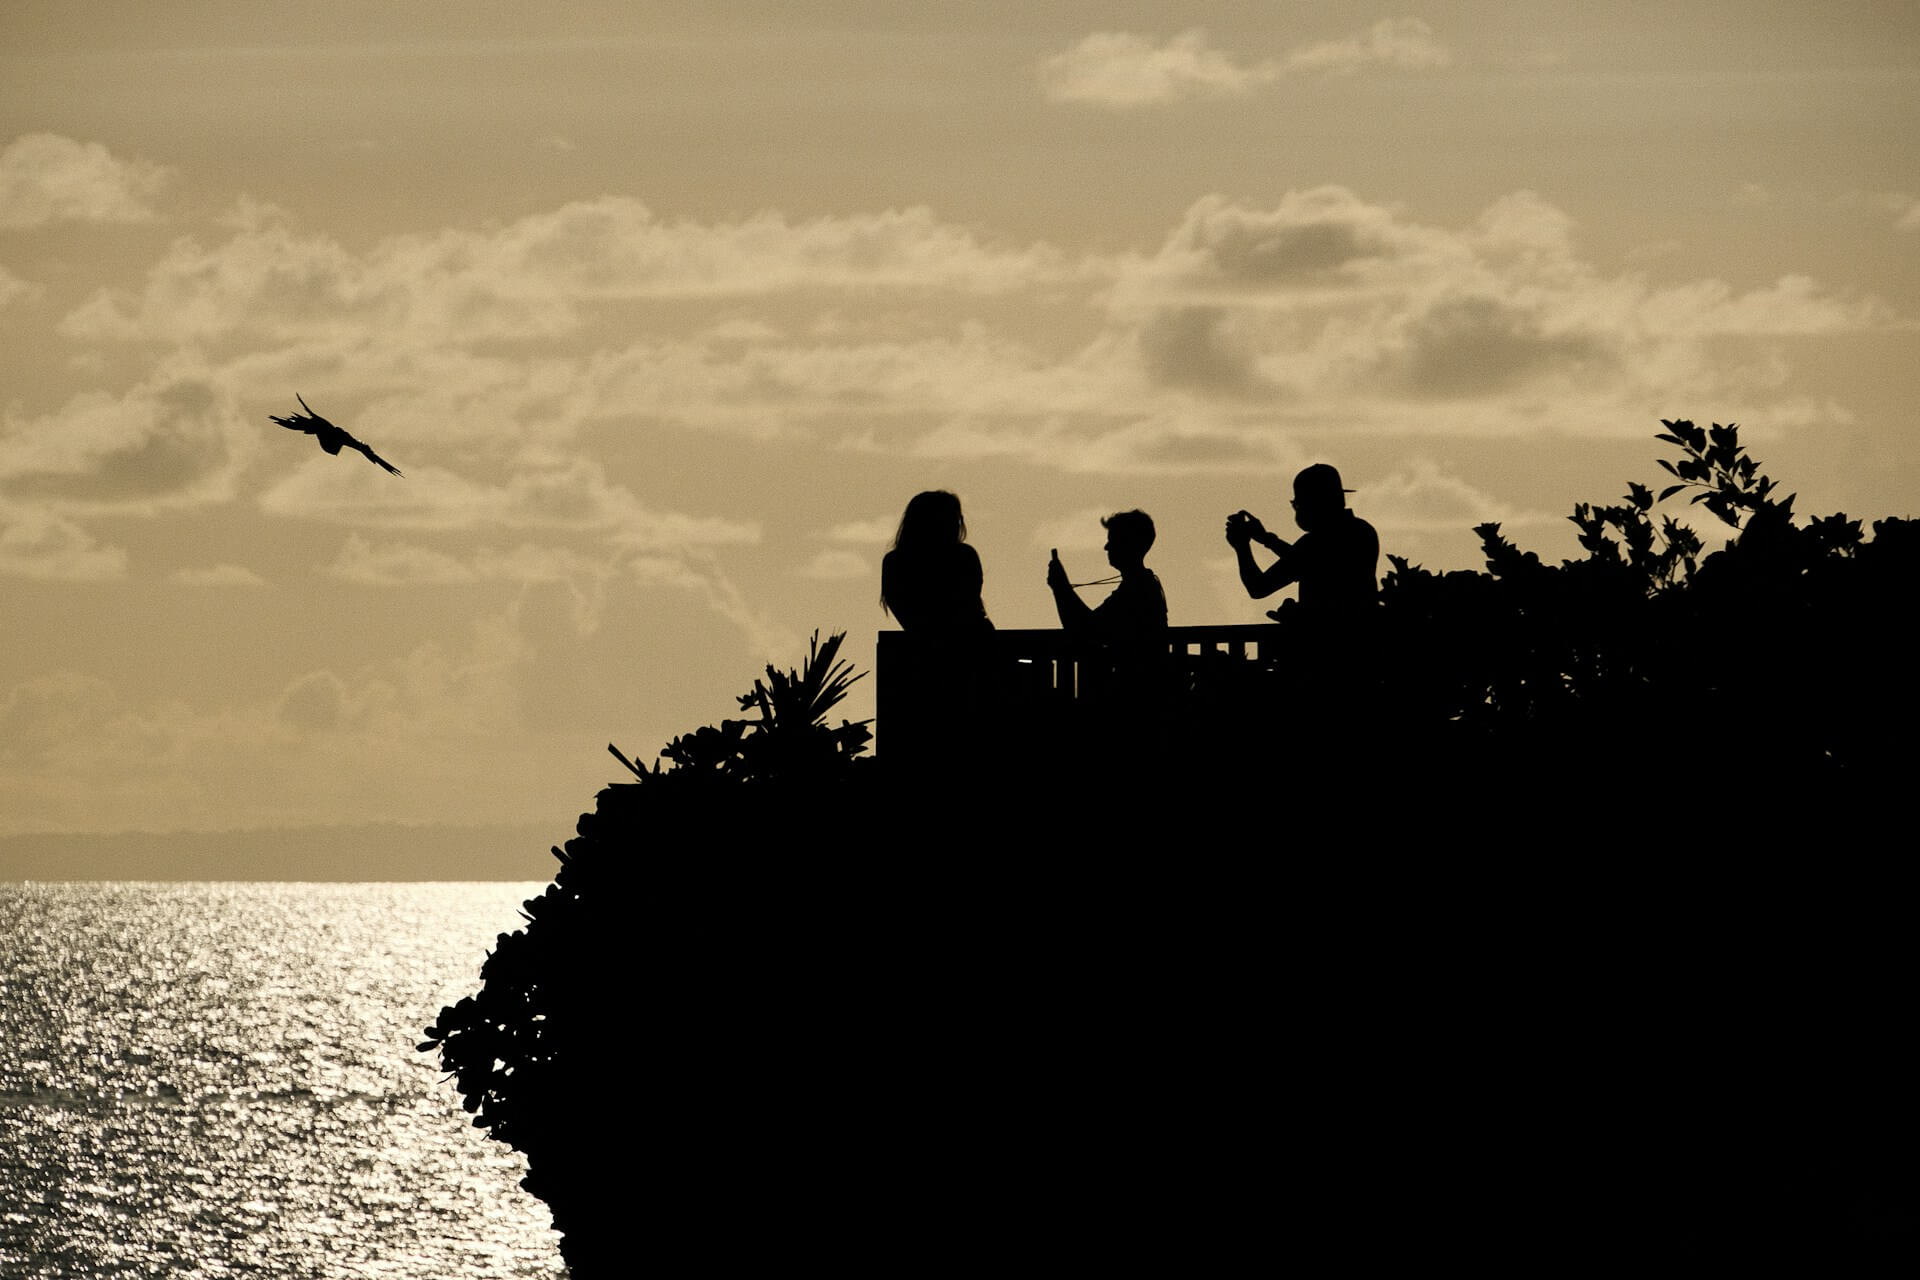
1129 538
931 517
1317 494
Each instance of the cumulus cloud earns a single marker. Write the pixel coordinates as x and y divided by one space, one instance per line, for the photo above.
1200 347
172 440
1321 238
1167 443
1329 300
573 495
1121 70
835 563
532 277
871 532
1477 346
1425 496
48 178
585 577
36 544
397 564
1402 43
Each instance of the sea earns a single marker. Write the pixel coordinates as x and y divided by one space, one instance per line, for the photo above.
221 1079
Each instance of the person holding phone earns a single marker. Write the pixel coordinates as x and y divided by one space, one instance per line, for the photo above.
1335 559
1133 617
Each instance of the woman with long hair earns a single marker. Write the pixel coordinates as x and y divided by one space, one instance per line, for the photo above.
931 579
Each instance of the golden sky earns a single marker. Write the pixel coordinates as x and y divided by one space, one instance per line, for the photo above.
665 310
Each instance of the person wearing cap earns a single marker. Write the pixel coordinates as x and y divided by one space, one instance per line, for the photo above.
1335 558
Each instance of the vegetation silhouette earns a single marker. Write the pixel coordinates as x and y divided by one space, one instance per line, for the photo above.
1589 936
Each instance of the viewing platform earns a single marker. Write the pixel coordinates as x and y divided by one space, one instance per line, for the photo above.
1048 677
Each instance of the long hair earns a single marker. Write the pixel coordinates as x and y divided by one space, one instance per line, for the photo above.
931 518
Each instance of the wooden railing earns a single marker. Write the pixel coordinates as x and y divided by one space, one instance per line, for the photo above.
1034 675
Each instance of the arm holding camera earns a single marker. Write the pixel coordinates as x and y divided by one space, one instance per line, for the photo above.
1243 530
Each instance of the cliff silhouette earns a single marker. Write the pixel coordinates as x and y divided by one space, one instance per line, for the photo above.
1563 913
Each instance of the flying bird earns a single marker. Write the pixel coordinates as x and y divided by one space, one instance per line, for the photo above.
331 438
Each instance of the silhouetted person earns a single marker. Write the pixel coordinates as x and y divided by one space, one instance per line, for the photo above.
1335 558
331 438
1328 668
931 579
1123 685
942 686
1133 617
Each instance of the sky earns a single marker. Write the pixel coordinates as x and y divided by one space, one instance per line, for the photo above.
665 310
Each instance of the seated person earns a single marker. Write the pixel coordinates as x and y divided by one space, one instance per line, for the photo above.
1335 558
931 579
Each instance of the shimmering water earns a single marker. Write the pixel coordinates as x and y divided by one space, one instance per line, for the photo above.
220 1079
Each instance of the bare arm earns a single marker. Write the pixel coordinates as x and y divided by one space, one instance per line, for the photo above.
1243 531
1075 615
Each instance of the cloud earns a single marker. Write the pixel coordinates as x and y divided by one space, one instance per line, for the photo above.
397 736
1199 347
1910 220
873 532
219 575
1401 43
1325 301
1113 443
1426 497
1320 238
173 440
1791 305
1477 346
532 278
36 544
1119 69
48 178
14 289
39 715
574 495
585 577
835 563
397 564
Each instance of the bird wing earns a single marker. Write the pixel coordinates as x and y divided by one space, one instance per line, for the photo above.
331 437
373 457
310 422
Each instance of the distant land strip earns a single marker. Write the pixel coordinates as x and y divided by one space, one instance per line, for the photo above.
361 852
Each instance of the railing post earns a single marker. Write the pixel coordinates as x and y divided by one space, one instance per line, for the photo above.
1036 673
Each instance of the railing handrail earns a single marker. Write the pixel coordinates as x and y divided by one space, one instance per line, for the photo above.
920 685
1054 642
